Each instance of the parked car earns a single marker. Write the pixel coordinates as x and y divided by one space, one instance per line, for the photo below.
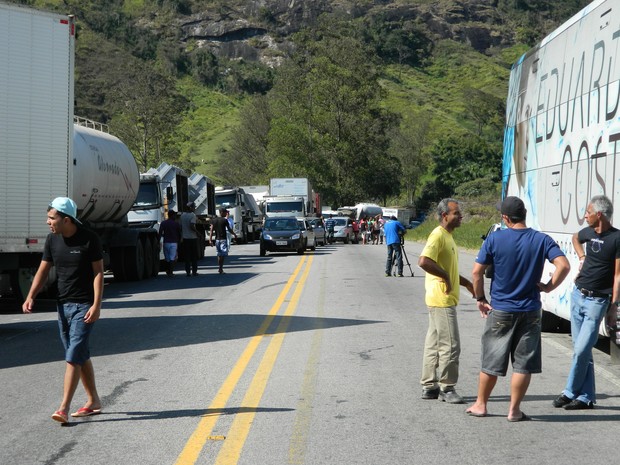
308 233
413 224
343 229
319 230
282 234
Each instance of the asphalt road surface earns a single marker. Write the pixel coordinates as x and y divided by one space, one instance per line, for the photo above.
284 359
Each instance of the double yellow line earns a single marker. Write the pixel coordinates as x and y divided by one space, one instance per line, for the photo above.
233 444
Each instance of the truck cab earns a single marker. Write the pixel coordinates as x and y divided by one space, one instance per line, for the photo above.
236 201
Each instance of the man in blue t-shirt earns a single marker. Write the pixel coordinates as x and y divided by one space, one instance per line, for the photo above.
393 231
513 328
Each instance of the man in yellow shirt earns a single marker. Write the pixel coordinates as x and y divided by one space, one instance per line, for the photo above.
442 347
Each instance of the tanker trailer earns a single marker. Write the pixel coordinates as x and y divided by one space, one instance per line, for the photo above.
102 177
105 187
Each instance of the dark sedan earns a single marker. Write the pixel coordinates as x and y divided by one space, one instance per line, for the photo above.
281 234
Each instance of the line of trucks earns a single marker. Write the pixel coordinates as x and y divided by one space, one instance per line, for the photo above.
46 151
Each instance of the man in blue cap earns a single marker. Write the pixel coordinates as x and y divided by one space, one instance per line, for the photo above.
77 255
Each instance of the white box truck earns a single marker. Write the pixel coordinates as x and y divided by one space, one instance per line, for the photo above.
294 187
44 154
562 135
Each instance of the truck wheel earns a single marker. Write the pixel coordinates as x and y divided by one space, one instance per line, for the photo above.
134 262
117 262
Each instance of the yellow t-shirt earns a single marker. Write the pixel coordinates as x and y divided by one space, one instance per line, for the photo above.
441 248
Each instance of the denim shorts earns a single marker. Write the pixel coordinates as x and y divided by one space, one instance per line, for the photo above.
515 337
74 333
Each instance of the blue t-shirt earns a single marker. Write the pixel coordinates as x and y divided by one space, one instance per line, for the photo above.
518 256
390 231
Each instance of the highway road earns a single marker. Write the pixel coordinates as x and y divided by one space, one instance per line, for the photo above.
284 359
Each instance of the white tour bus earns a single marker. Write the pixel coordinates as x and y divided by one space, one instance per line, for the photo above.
562 135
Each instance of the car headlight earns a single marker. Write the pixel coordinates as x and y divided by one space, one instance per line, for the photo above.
295 236
267 237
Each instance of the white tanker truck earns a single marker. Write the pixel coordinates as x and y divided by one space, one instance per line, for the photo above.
44 154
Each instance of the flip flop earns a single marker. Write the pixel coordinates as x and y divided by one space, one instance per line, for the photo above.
60 416
523 417
474 414
86 412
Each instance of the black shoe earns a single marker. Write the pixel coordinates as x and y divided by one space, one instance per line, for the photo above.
400 275
561 401
579 405
430 393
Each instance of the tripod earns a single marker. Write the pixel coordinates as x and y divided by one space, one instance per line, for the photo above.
402 248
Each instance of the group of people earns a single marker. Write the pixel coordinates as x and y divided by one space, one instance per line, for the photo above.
184 232
371 229
513 312
512 330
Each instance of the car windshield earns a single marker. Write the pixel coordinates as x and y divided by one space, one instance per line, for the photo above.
281 225
279 207
225 200
315 223
340 221
301 224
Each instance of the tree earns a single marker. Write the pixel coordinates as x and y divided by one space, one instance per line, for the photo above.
245 162
327 122
458 158
148 110
485 109
408 145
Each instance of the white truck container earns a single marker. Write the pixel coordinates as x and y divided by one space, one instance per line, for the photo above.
294 187
562 131
402 214
44 155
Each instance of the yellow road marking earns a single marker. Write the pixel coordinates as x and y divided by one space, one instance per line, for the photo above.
193 447
301 426
238 432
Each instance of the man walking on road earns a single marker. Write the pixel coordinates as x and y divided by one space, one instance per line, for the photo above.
190 240
442 346
221 226
394 230
76 254
513 327
170 231
598 281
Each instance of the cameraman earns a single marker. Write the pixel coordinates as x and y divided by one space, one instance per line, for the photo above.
394 232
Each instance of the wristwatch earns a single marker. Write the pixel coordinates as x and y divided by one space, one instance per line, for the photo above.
483 298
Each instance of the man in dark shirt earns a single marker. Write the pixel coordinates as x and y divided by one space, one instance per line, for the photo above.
219 226
170 231
598 281
77 255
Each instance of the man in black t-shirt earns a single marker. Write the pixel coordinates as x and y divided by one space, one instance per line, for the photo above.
597 283
219 226
76 254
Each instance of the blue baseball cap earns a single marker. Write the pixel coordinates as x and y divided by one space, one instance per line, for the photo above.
66 206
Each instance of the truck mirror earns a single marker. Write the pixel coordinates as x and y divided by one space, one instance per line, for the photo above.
169 193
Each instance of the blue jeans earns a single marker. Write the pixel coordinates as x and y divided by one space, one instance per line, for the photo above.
586 314
394 249
74 333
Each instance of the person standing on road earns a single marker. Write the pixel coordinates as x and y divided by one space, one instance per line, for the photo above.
513 318
598 281
170 231
442 347
394 231
220 226
190 240
330 225
76 254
